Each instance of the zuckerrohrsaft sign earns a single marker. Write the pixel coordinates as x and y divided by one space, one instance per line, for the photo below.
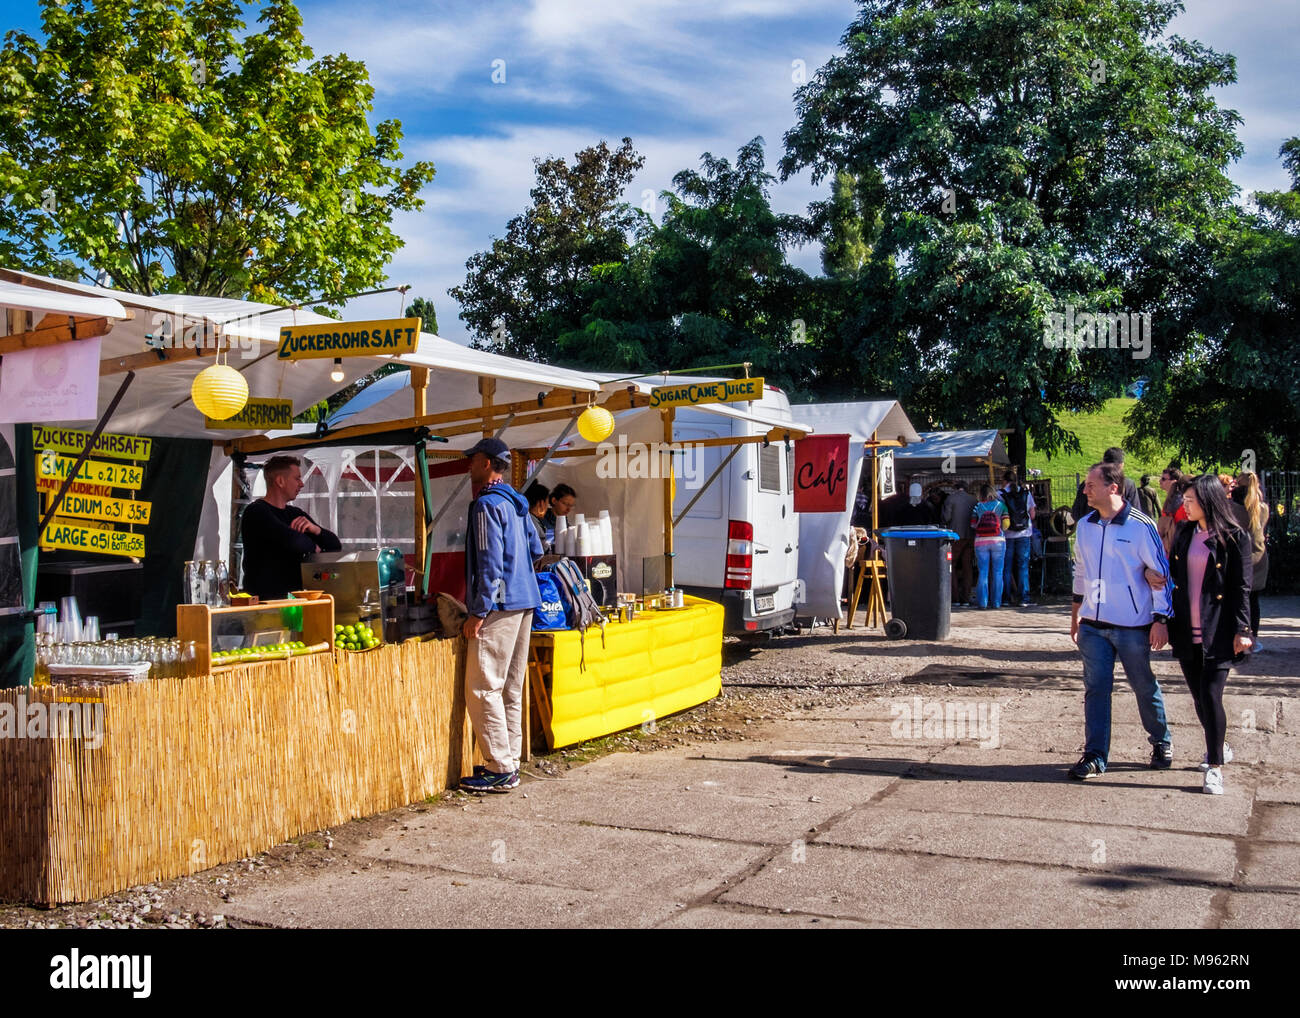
734 390
258 415
349 339
120 447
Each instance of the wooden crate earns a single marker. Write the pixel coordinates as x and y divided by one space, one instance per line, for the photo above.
194 623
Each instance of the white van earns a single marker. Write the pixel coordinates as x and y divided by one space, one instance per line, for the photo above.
739 544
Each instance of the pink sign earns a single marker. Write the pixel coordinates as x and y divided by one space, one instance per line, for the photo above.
51 383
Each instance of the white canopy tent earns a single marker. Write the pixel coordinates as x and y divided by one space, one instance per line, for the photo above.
824 537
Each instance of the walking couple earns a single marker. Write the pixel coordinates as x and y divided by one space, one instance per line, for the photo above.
1127 603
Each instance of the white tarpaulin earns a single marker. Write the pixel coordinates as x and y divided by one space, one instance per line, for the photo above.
824 537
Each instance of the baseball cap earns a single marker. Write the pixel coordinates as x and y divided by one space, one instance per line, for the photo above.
491 447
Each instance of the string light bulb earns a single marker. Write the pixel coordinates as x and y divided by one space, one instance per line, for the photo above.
337 374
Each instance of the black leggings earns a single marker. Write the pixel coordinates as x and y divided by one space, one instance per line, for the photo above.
1254 613
1206 680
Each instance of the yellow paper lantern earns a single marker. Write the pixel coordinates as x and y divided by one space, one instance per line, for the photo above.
219 392
596 424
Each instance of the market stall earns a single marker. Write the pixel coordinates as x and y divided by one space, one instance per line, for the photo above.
257 725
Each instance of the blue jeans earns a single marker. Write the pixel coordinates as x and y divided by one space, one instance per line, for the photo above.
1017 566
1099 648
988 558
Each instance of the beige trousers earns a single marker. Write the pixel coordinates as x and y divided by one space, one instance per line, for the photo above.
496 667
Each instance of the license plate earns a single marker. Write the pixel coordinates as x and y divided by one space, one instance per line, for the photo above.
764 602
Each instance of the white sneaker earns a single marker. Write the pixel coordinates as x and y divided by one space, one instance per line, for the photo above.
1227 757
1213 782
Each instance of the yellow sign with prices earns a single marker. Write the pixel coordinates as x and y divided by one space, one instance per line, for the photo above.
257 415
72 537
114 510
120 447
117 475
732 390
349 339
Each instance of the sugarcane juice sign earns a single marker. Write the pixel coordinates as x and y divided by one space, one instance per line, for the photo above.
735 390
90 508
349 339
257 415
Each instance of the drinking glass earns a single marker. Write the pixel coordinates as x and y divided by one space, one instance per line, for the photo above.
70 616
90 629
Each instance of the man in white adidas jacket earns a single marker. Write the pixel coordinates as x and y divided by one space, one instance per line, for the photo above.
1118 613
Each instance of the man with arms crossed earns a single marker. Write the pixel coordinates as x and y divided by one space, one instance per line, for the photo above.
1118 612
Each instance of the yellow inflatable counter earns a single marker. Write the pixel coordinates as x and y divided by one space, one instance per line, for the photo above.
662 662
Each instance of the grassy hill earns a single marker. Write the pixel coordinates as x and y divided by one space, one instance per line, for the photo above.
1097 432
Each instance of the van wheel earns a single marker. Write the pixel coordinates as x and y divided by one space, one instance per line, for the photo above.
895 629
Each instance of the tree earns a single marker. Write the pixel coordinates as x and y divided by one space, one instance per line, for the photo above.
1234 396
520 295
423 310
709 285
1032 158
162 144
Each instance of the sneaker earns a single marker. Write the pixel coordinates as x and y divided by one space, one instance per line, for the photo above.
1162 756
490 781
1087 767
1213 782
1257 648
1227 757
1024 604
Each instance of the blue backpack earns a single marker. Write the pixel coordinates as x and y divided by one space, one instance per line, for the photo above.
553 614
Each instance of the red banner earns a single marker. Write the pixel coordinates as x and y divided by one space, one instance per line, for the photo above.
821 474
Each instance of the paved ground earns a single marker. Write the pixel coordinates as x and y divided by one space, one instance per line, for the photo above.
855 814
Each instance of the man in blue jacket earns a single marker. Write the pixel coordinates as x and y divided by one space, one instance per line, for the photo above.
1122 602
500 594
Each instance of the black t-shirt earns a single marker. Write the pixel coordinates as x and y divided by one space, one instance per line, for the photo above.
274 551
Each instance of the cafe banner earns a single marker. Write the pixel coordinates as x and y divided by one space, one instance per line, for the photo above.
349 339
733 390
821 469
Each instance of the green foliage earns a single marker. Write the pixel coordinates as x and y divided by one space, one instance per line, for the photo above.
520 295
1097 431
423 310
165 144
1029 156
1233 394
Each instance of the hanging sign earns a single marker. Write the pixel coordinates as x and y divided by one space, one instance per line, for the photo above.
51 486
117 475
821 474
732 390
68 537
51 383
257 415
118 447
888 480
349 339
114 510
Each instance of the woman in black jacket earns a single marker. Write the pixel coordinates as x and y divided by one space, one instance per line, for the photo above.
1210 562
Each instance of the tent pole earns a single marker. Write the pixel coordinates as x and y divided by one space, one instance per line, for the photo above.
551 451
668 413
712 477
487 388
420 387
875 486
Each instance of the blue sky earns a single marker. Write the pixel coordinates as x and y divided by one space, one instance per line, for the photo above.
680 78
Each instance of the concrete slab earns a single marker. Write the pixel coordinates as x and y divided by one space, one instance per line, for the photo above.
1262 911
1009 783
1277 786
1277 821
586 857
931 891
719 917
1274 868
1099 848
